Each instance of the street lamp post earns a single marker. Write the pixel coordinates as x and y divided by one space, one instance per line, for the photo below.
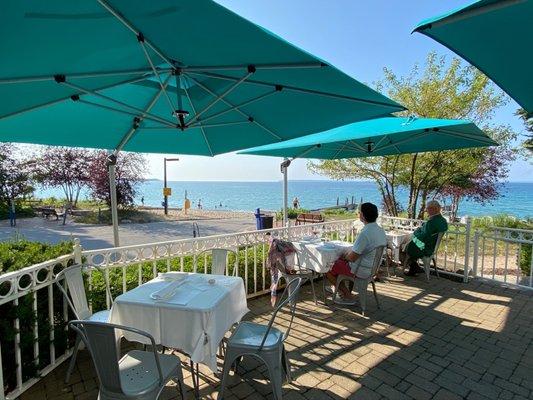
166 191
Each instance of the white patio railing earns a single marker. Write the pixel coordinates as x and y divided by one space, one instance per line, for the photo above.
454 255
504 255
34 313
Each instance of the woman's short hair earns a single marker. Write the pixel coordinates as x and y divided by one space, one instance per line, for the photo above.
369 211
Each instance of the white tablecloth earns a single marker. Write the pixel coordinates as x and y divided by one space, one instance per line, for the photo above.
194 320
320 256
395 240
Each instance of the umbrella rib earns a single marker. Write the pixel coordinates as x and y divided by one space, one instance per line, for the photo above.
392 144
243 104
201 128
466 136
80 75
137 122
223 124
50 103
340 149
297 89
236 109
257 66
220 97
358 146
171 105
90 103
95 93
132 28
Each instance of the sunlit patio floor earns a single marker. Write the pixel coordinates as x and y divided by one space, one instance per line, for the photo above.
436 340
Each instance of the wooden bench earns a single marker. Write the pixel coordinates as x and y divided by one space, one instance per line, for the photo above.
311 218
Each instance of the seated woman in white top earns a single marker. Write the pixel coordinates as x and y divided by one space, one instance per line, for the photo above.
361 256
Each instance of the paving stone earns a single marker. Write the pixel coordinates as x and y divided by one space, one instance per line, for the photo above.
428 341
516 389
486 389
417 393
451 386
444 394
391 393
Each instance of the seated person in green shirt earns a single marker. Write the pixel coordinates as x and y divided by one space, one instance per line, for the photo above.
424 238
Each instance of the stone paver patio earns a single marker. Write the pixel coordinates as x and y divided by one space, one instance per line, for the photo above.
436 340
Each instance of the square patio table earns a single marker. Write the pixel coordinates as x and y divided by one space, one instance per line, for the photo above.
194 319
319 256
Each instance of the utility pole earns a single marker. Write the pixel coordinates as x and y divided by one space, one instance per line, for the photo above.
166 190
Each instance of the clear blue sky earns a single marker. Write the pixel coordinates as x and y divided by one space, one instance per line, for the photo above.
359 37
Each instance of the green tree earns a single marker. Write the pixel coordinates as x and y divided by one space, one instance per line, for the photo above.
528 122
441 89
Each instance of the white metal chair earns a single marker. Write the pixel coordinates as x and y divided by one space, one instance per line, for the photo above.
264 342
77 300
139 375
361 284
219 261
433 257
300 271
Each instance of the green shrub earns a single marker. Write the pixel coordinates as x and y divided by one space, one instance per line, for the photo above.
22 211
292 213
15 255
20 253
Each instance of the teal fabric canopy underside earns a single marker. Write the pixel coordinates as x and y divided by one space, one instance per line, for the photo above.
380 137
74 74
495 36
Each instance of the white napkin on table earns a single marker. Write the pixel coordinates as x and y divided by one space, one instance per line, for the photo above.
167 291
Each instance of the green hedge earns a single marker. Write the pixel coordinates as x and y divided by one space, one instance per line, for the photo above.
19 254
15 255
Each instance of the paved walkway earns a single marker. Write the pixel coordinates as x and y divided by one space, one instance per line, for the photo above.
439 340
101 236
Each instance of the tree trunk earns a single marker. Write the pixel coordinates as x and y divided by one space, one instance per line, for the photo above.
411 208
423 201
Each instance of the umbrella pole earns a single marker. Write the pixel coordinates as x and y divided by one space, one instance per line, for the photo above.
111 163
284 166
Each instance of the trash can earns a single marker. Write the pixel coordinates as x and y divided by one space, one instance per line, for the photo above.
258 219
267 221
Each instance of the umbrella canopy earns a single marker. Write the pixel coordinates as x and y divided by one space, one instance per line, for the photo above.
380 137
187 77
494 36
376 137
160 77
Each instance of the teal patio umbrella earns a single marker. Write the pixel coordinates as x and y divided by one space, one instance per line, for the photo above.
494 36
377 137
184 77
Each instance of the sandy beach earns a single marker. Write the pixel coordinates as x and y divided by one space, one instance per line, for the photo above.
176 214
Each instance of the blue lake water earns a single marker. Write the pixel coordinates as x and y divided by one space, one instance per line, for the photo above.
516 197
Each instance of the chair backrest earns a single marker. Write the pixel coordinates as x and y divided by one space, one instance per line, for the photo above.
290 297
378 256
219 261
437 243
101 341
75 294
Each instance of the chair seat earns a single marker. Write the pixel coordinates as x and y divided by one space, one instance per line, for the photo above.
100 316
138 371
249 334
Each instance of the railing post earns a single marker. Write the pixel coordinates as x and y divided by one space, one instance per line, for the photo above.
467 248
77 251
2 396
476 252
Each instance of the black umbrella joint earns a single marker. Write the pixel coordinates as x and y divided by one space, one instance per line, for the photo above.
369 145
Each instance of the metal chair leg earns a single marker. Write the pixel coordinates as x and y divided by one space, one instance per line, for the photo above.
375 294
72 363
313 288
